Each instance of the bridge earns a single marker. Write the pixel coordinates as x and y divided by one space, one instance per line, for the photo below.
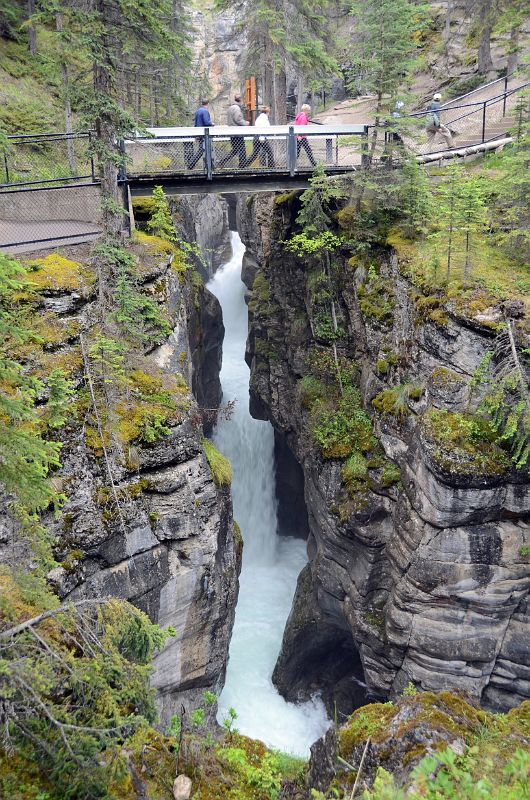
50 189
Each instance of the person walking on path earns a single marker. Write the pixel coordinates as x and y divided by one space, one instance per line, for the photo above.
303 119
262 147
237 143
434 124
202 119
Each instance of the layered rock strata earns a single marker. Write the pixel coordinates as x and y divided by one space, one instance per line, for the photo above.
151 527
425 580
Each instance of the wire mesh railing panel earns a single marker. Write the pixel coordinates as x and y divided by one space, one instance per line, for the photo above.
48 159
52 214
240 153
165 156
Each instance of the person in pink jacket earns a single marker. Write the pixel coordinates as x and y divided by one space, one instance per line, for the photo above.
303 119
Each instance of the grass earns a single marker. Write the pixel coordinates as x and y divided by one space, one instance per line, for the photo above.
219 464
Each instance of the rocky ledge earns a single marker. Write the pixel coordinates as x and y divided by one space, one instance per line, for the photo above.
418 567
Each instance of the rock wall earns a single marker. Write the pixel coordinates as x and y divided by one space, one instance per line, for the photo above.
168 544
426 580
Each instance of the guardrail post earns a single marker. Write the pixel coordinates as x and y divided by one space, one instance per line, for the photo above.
92 170
6 167
122 175
208 160
484 121
365 159
291 151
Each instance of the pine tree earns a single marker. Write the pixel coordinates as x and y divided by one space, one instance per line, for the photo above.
385 46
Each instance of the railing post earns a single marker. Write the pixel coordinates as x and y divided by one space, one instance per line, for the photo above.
291 151
505 94
92 170
208 160
484 121
364 148
6 167
122 175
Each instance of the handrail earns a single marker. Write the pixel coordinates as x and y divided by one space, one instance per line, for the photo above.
481 88
59 135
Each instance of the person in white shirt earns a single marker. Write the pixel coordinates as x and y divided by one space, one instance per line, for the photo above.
262 146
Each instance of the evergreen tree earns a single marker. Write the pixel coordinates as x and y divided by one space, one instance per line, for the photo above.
385 46
283 33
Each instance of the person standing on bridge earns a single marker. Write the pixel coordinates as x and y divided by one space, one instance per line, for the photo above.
202 119
303 119
434 124
262 147
237 143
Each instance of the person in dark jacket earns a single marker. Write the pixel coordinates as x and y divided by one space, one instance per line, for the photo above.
434 124
237 143
202 119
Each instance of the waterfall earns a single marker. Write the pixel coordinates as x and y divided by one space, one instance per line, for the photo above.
270 564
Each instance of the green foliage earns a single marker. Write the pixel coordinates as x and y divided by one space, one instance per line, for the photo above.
464 444
138 315
395 401
219 464
340 428
409 690
386 43
60 391
160 222
72 708
265 778
25 457
511 211
502 381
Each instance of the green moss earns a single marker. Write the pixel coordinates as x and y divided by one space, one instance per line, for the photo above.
54 273
219 464
341 427
372 720
143 206
391 475
261 294
394 401
464 444
376 299
286 197
238 538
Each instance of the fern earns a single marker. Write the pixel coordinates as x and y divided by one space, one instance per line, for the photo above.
506 396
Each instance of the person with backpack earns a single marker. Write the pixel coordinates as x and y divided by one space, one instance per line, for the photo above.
302 143
434 124
237 143
201 119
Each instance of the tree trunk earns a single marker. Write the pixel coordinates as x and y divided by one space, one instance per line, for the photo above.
300 92
513 56
32 31
268 81
108 170
486 18
66 97
281 97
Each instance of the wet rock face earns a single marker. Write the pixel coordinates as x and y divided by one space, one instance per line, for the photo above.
168 545
203 218
429 578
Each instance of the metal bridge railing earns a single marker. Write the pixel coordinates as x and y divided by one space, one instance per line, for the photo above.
226 150
46 159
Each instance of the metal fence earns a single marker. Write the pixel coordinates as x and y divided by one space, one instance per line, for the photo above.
279 149
46 159
59 214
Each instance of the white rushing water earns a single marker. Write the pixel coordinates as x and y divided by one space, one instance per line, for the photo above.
270 564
